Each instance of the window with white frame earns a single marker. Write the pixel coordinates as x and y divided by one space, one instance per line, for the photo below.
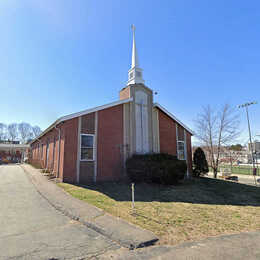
87 147
181 150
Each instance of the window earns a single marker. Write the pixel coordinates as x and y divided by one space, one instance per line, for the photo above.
87 147
138 74
181 150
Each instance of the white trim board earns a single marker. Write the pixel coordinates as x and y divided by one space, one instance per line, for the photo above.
96 145
173 117
78 149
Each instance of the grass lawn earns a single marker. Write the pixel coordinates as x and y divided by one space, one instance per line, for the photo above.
190 211
240 169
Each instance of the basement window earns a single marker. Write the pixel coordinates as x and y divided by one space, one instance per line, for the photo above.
181 150
87 147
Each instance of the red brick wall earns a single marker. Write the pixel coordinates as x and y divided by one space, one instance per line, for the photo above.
55 164
167 134
88 124
110 141
70 150
168 143
125 93
62 145
180 133
36 156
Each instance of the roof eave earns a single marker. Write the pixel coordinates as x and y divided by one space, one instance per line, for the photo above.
81 113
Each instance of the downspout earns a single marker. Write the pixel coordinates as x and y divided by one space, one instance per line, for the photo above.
58 171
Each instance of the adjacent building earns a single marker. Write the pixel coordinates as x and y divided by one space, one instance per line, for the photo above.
93 145
13 152
255 148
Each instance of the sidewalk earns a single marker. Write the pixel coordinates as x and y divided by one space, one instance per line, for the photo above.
124 233
229 247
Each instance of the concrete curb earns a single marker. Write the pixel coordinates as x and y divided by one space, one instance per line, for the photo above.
116 229
226 247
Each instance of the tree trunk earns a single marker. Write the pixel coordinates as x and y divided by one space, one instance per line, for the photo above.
215 173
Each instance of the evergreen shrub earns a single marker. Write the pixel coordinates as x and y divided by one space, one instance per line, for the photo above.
159 168
200 164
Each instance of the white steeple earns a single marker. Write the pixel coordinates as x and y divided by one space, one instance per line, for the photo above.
135 74
134 51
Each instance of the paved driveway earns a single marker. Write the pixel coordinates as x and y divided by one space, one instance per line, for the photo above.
242 178
30 228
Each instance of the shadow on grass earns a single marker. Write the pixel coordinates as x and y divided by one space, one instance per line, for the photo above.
199 191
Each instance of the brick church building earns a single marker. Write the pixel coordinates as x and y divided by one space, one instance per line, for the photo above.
92 145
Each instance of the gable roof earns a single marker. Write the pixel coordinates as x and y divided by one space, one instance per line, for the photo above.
95 109
81 113
173 117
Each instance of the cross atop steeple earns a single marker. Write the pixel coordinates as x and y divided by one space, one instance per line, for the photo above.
135 73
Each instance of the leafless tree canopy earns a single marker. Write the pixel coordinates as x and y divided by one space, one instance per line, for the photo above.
18 132
2 131
12 131
215 129
25 131
36 131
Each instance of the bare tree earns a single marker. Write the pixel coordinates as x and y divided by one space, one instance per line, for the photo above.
36 131
216 129
12 131
24 131
2 131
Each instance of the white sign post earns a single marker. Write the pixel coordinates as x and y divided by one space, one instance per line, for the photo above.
133 197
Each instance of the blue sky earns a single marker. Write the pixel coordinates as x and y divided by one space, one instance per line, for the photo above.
63 56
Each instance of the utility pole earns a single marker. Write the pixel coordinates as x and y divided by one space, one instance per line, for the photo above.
246 105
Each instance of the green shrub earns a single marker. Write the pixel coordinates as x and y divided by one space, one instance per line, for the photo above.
156 168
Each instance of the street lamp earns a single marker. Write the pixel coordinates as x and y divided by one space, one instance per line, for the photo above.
246 105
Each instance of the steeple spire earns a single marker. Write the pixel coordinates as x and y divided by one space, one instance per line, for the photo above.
135 74
134 50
